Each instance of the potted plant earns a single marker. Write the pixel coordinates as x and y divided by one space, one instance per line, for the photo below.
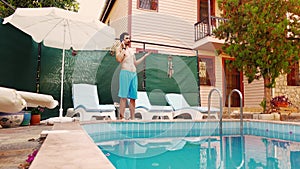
36 115
263 104
266 114
280 101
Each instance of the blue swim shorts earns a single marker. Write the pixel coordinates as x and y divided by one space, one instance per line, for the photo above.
128 84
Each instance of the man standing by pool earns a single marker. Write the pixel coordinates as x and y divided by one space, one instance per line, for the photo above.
128 83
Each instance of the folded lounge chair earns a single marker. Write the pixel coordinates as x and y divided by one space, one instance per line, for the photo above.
86 104
181 106
13 101
148 111
37 99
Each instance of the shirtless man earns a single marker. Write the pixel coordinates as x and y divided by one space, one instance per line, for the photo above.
128 76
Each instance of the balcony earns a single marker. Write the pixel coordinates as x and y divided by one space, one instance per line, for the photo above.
204 37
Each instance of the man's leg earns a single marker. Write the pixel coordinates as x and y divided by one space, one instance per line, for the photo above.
132 108
122 107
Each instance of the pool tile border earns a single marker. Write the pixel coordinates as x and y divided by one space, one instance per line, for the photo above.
138 129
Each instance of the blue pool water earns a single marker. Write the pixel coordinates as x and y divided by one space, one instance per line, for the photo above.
194 145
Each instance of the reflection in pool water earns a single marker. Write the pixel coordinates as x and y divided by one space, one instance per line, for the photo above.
204 153
188 144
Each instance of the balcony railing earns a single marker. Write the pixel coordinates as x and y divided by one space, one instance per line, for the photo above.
205 28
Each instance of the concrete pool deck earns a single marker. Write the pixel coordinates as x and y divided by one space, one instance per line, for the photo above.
18 142
67 145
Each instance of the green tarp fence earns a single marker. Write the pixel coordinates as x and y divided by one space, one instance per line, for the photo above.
183 80
18 69
18 59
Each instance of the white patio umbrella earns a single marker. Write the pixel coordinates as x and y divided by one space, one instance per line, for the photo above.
62 29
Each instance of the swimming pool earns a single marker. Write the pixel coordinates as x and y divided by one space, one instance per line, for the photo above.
167 144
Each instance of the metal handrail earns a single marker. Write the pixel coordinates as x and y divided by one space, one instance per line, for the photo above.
220 122
220 101
241 107
241 123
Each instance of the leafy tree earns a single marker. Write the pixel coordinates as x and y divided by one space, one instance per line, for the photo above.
7 5
263 37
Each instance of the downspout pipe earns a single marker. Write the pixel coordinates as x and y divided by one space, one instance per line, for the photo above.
209 18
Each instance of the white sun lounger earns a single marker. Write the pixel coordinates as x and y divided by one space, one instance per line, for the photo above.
86 104
148 111
180 106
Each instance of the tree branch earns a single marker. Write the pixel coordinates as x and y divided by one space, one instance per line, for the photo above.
6 3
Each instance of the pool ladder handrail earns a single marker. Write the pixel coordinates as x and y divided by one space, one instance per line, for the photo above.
220 122
241 122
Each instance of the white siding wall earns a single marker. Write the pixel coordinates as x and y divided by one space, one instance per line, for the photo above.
253 92
172 24
118 17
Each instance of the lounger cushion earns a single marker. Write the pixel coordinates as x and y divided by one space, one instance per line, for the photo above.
205 109
86 95
144 102
10 101
178 102
36 99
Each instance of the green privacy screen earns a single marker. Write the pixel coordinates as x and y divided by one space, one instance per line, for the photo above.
91 67
19 55
182 80
101 68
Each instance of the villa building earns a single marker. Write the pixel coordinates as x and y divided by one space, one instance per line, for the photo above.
186 28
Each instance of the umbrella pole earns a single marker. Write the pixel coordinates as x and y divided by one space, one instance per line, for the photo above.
62 83
62 75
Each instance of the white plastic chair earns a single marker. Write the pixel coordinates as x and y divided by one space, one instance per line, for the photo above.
86 104
181 106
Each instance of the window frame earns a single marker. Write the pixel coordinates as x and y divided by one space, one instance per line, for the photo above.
155 1
293 78
210 71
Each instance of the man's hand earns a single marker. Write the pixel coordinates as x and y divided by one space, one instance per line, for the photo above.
147 54
120 54
123 45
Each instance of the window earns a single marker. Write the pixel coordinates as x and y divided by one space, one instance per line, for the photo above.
206 71
293 78
148 4
203 10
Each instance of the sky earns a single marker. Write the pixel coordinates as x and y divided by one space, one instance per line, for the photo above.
90 8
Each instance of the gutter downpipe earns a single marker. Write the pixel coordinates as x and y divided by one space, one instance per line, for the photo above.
108 2
209 18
